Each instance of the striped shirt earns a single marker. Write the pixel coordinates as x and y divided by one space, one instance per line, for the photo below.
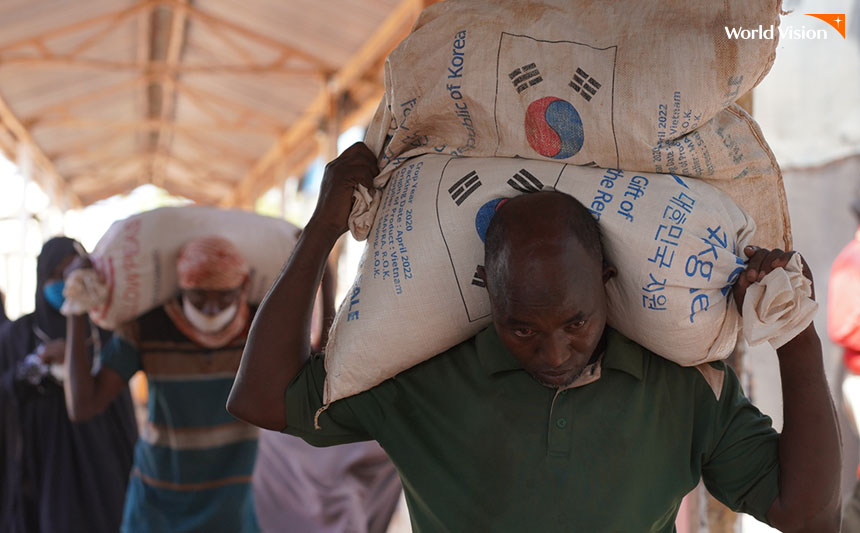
193 462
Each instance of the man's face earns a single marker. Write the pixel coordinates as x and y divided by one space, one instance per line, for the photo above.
211 302
549 309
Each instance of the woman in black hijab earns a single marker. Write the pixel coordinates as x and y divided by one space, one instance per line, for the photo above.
3 317
56 476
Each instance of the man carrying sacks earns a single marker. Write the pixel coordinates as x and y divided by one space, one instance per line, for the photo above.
548 420
193 462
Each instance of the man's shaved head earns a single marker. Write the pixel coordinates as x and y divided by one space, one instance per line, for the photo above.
545 274
543 216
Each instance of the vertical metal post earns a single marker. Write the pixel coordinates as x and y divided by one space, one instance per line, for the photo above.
332 130
24 162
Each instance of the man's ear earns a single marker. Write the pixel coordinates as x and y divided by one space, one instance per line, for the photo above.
481 272
609 272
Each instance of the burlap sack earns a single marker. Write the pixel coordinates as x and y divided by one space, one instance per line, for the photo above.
643 86
674 240
136 258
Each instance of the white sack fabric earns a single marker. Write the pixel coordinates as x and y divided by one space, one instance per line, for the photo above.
135 260
779 307
642 86
675 241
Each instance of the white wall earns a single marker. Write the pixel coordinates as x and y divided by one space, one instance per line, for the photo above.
809 104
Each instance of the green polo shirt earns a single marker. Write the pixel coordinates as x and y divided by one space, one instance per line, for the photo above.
481 446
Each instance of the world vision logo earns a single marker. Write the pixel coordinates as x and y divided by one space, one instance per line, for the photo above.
837 20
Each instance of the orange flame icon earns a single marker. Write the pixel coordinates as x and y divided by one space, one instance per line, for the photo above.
837 20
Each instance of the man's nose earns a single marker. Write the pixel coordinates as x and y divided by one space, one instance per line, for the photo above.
556 349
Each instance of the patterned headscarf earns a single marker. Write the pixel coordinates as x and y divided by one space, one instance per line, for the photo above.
211 263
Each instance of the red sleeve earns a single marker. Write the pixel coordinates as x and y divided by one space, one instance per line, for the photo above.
843 298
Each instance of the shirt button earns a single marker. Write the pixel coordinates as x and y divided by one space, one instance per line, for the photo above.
561 423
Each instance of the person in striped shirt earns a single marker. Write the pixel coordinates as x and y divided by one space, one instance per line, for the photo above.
193 463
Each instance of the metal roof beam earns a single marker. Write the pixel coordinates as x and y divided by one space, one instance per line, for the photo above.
383 40
175 45
244 111
152 125
288 51
156 69
113 17
63 107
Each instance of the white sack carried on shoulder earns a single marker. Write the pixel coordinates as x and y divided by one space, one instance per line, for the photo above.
779 307
135 260
675 242
636 85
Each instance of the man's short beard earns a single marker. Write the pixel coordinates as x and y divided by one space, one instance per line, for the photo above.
565 384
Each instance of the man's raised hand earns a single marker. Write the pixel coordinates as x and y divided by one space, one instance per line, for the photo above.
761 262
355 166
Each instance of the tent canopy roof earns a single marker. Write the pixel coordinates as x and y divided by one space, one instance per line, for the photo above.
216 101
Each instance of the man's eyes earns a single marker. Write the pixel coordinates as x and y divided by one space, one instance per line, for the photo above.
524 332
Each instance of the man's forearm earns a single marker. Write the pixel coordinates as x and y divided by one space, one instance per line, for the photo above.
80 383
279 341
328 307
809 449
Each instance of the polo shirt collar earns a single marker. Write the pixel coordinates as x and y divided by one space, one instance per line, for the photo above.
621 353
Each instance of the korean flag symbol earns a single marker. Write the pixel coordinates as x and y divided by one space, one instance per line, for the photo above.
554 100
484 215
554 128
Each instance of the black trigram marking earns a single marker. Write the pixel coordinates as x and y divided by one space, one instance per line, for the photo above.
525 77
464 187
584 84
524 181
476 278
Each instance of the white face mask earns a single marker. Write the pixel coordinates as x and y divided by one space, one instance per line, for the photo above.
208 323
